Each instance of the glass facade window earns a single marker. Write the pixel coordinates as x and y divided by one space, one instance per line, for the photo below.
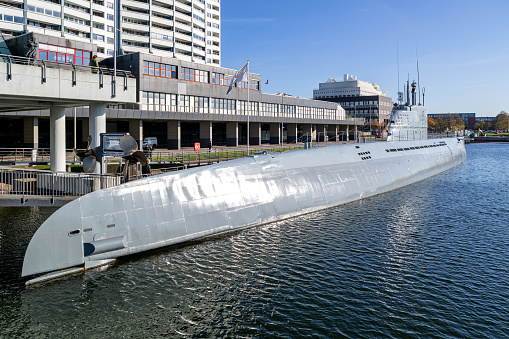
154 101
201 105
221 79
190 74
184 103
222 106
254 85
159 70
64 55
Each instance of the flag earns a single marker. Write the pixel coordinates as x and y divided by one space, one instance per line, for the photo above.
240 75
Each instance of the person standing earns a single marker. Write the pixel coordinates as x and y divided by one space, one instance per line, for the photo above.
94 64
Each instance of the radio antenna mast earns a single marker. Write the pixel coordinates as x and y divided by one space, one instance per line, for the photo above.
397 60
418 80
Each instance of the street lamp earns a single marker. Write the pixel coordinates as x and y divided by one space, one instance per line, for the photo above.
355 120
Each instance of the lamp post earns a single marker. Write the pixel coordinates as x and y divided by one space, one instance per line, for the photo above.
355 120
282 113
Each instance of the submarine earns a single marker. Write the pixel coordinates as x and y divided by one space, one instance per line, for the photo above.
177 207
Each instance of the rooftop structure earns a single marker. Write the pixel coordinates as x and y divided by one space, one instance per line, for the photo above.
358 98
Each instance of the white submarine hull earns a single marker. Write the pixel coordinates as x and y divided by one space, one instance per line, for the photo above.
176 207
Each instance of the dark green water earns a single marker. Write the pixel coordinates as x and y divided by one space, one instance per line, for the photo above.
429 261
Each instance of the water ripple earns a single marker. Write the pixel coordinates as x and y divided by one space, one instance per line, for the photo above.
428 260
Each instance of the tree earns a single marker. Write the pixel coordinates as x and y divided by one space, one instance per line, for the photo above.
502 121
481 124
456 123
432 124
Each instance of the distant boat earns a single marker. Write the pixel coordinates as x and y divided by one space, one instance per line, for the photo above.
177 207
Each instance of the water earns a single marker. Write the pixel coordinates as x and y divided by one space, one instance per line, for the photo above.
428 260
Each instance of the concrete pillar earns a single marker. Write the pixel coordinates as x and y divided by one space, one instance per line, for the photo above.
275 133
255 133
96 126
205 133
232 134
307 130
320 132
136 131
31 132
173 131
332 132
343 133
57 138
96 123
291 133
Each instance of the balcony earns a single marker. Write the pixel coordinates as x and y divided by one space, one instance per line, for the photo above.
76 13
135 38
136 4
43 18
81 3
182 7
182 27
136 27
162 10
135 15
162 21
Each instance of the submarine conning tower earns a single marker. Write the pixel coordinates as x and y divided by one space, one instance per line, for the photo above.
408 121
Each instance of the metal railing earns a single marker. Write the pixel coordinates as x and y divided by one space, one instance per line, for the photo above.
28 182
11 59
24 155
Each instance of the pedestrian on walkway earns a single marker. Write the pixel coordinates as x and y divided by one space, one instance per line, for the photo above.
94 64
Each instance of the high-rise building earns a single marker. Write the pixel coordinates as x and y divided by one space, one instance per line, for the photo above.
361 99
189 30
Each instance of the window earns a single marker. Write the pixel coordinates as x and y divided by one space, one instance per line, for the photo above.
221 79
110 28
64 55
159 70
201 104
110 16
98 37
185 103
109 4
222 106
191 74
254 84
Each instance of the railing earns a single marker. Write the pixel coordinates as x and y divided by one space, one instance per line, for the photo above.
28 155
27 182
10 59
446 134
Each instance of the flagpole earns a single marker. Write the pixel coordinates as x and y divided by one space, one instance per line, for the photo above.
248 108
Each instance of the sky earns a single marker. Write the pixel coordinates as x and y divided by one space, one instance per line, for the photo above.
462 47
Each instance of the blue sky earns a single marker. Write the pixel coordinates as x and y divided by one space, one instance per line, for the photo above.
463 47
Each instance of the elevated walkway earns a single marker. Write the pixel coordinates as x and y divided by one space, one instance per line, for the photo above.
30 84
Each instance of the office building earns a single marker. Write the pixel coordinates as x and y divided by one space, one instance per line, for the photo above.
469 118
178 102
360 99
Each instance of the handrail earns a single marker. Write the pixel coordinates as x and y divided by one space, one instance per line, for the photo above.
10 59
29 182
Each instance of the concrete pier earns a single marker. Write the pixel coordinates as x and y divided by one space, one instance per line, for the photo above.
57 138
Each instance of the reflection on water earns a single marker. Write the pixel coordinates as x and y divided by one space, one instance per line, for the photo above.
428 260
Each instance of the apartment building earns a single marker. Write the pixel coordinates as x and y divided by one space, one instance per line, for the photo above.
188 30
361 99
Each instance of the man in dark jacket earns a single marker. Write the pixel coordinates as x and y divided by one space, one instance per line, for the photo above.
94 64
